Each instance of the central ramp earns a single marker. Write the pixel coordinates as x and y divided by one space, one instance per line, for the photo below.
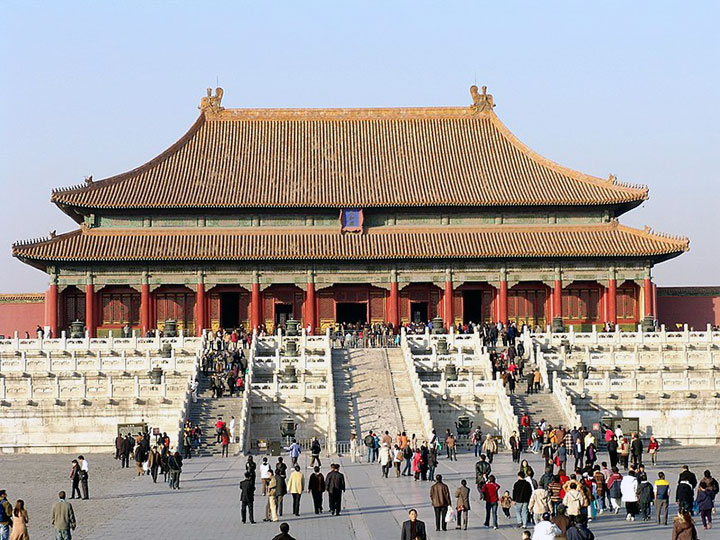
373 392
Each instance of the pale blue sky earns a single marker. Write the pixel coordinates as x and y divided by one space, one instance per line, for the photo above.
629 88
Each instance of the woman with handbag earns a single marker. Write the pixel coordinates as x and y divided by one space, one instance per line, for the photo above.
462 494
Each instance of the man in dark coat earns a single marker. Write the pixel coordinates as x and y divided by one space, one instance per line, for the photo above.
636 450
440 499
284 530
247 497
118 445
335 485
316 488
125 450
522 491
413 528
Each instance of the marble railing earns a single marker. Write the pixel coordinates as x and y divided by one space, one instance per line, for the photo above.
97 363
110 343
621 337
29 389
659 357
560 391
417 391
464 386
647 382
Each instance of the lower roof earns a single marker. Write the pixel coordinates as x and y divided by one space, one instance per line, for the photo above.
382 243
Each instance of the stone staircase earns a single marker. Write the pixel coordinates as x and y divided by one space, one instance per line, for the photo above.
205 412
409 414
372 392
542 405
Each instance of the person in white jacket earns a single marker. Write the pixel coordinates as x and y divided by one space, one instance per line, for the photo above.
385 459
545 529
628 489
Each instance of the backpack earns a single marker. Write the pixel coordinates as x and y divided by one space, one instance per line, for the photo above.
369 441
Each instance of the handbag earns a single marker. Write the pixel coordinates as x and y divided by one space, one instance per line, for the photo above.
450 516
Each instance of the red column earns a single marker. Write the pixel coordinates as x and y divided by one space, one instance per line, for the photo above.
654 303
255 306
647 297
90 322
393 305
557 298
144 308
611 299
503 301
310 307
448 304
51 309
201 310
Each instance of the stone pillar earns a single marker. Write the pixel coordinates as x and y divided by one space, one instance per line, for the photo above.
144 307
255 303
448 303
51 307
611 298
201 309
310 305
90 322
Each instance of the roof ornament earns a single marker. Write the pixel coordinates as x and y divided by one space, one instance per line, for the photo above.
89 180
211 103
481 102
53 233
612 179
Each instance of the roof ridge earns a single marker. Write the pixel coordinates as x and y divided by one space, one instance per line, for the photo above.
649 232
542 160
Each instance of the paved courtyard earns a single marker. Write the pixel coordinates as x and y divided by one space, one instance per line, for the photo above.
123 506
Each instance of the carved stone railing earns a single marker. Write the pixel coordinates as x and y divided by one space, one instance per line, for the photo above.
571 416
418 394
108 344
621 337
506 420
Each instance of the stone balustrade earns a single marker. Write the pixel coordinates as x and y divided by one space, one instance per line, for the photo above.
644 382
106 344
417 390
466 385
621 337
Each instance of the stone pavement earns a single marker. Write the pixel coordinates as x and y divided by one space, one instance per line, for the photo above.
124 506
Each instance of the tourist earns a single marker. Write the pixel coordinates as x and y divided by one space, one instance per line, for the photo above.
545 529
84 474
686 475
636 449
624 449
683 526
335 486
522 491
225 443
653 447
281 468
369 442
432 463
19 523
397 460
555 491
296 486
506 503
574 500
462 494
219 428
63 518
284 530
629 490
265 472
704 501
139 459
539 503
527 469
271 491
490 492
476 441
294 450
6 511
562 520
515 447
75 477
614 484
662 498
450 446
280 492
490 447
579 531
247 498
315 450
413 528
416 459
316 488
125 451
645 496
612 448
153 463
174 469
482 472
685 495
385 458
440 499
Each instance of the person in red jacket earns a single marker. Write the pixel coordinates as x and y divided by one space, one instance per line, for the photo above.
490 493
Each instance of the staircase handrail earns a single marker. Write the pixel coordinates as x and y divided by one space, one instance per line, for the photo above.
507 422
244 423
567 406
542 365
331 438
418 393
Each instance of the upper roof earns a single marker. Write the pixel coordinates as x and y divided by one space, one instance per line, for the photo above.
347 158
380 243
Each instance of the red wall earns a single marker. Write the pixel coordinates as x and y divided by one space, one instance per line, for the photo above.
22 313
695 306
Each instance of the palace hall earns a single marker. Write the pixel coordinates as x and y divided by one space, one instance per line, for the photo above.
256 216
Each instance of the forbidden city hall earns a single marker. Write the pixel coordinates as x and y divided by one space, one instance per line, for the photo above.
256 216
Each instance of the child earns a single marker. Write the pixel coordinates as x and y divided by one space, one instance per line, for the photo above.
506 503
526 535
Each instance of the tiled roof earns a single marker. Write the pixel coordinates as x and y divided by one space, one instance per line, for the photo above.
271 244
346 158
